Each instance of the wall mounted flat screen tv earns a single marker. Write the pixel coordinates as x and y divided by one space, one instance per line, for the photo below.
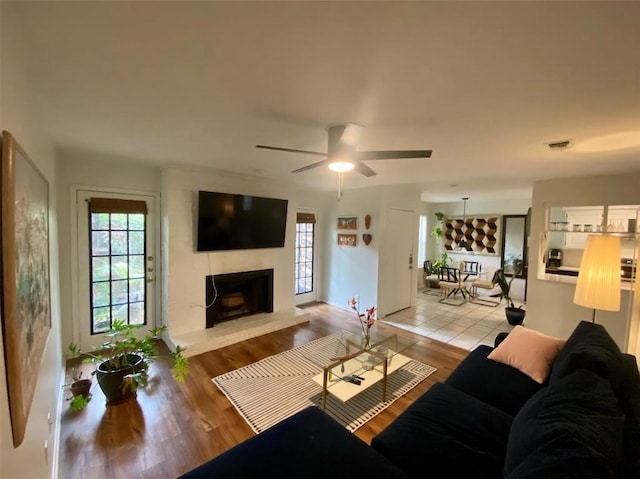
229 222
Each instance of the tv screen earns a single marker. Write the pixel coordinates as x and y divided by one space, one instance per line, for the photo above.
228 222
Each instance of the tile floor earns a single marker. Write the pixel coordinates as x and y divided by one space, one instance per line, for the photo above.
465 326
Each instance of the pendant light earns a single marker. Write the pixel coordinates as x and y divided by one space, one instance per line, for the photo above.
463 244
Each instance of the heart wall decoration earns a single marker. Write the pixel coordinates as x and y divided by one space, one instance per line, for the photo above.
366 237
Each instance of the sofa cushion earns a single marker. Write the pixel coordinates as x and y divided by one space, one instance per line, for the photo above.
309 444
529 351
447 433
495 383
591 347
573 428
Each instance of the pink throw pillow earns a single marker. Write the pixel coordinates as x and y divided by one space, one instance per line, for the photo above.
529 351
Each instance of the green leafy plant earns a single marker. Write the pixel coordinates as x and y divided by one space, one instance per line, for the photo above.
81 391
437 229
123 348
505 286
441 262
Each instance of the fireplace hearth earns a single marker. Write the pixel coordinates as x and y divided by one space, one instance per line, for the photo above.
234 295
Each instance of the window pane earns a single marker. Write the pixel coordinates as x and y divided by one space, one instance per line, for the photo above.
100 221
119 267
136 266
100 268
100 243
136 242
120 291
304 258
101 295
101 319
119 242
136 315
136 290
136 222
118 288
118 221
120 312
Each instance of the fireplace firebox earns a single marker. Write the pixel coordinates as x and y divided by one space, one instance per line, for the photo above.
234 295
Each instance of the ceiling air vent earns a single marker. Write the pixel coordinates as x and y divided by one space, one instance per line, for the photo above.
559 145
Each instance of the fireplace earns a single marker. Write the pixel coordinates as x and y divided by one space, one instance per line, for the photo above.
234 295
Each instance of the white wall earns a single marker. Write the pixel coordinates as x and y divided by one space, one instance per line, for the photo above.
550 305
91 169
19 116
185 270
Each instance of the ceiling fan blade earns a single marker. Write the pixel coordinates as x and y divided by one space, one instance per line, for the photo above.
291 150
313 165
364 169
392 155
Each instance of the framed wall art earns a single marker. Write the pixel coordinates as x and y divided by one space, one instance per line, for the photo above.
347 222
26 302
347 239
481 234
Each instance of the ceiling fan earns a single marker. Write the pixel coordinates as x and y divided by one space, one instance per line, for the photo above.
341 153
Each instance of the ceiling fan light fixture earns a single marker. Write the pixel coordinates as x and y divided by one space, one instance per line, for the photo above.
341 166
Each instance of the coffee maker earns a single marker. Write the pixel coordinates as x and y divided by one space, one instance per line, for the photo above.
554 258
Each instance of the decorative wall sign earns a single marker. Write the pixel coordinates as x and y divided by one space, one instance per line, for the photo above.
26 304
347 239
367 221
347 222
367 238
481 234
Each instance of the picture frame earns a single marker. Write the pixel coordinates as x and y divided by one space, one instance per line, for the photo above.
347 223
347 239
482 234
26 300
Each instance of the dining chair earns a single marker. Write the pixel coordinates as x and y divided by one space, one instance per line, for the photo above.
471 268
450 285
429 275
484 284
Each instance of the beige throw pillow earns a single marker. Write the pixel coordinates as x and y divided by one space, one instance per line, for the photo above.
529 351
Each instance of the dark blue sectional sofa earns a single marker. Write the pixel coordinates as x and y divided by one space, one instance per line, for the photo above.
486 420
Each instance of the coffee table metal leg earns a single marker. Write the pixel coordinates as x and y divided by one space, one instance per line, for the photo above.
384 379
324 389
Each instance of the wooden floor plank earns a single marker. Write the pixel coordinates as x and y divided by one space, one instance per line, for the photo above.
173 427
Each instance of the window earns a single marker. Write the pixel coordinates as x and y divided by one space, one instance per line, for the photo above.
117 262
422 240
305 228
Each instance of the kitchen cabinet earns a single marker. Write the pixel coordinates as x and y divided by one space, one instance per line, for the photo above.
568 227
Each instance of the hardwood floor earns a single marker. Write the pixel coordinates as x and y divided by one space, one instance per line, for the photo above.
173 427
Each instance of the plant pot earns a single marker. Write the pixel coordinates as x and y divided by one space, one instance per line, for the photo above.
111 381
515 316
81 387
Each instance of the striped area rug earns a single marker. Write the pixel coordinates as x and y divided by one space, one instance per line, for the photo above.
268 391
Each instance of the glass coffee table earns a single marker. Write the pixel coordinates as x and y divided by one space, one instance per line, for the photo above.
349 367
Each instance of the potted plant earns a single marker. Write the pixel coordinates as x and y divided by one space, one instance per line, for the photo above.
80 391
515 316
123 361
441 262
437 229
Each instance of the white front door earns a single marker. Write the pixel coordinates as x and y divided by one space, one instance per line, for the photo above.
116 265
401 226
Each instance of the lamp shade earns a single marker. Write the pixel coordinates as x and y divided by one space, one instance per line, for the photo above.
598 284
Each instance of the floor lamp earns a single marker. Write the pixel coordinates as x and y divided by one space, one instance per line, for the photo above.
598 284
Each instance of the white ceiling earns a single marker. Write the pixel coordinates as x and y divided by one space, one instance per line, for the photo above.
483 84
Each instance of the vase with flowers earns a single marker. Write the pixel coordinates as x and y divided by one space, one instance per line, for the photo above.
366 320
